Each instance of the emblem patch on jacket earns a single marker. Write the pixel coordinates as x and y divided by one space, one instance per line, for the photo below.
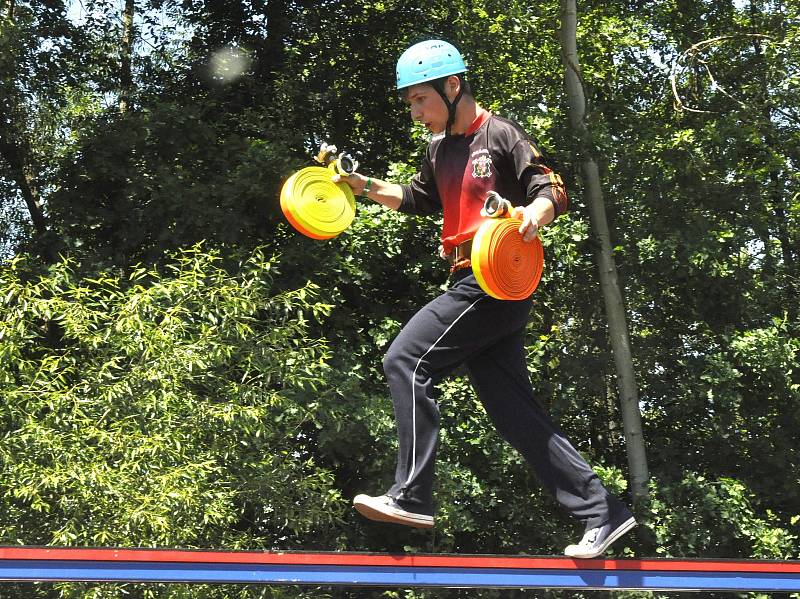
482 166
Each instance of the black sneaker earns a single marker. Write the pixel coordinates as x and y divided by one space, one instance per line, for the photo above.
386 509
597 540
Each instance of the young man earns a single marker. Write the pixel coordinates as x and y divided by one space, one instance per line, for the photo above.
474 152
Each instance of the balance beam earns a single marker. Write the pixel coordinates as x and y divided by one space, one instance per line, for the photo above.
385 570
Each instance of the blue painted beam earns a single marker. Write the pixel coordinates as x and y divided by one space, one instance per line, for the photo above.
386 570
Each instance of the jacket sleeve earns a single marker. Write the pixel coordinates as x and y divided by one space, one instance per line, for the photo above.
537 179
421 196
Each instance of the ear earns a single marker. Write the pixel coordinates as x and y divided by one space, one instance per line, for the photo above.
453 84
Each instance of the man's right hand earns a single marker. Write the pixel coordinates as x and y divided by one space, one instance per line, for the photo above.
356 182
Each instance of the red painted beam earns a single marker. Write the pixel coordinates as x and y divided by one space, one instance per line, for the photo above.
399 561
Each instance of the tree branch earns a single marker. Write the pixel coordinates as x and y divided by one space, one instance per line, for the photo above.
679 67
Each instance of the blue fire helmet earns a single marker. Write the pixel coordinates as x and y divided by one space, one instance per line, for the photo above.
426 61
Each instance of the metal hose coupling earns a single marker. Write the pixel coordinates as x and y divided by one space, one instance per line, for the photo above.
343 164
496 206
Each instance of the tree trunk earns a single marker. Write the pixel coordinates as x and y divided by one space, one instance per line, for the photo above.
14 155
612 295
126 75
14 151
776 190
272 57
11 154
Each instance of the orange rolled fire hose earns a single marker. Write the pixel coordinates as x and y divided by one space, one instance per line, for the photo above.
505 266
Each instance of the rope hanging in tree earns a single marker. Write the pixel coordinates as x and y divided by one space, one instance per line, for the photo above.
505 266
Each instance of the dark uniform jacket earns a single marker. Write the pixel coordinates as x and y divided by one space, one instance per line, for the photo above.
495 154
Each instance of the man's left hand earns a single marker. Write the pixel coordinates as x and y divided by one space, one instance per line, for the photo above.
529 227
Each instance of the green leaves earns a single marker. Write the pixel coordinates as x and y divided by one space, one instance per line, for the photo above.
163 408
688 509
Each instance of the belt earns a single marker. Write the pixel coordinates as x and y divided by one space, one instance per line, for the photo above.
460 256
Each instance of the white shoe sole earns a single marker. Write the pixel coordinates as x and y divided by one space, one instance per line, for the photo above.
620 530
375 509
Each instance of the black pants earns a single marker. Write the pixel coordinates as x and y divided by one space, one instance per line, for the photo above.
466 326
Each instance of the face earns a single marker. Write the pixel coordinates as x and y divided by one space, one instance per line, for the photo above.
427 107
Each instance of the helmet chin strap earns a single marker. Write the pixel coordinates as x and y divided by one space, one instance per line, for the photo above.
451 106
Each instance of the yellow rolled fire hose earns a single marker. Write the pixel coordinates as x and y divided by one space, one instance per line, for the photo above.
505 266
315 205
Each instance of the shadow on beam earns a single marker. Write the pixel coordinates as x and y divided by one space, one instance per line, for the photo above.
364 569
